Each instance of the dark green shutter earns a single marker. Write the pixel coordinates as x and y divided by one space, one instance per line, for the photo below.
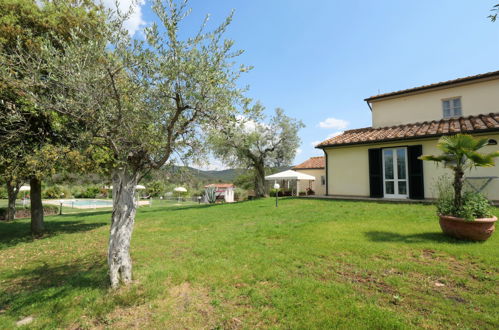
416 181
375 173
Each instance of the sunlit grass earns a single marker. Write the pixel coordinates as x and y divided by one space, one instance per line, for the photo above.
306 264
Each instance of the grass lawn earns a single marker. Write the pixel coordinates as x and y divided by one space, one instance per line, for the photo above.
307 264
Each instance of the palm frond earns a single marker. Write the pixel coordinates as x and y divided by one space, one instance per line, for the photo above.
439 158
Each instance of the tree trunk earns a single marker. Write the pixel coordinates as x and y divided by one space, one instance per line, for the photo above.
12 192
260 180
458 189
37 225
123 218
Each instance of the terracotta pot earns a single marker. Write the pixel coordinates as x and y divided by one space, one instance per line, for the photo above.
476 230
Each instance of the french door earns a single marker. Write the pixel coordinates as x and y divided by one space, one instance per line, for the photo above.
395 182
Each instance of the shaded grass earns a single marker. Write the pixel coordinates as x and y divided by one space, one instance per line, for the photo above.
306 264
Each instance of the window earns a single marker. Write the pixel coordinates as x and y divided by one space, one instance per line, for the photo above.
323 180
452 107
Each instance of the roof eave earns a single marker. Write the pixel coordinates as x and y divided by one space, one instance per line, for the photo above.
406 139
443 85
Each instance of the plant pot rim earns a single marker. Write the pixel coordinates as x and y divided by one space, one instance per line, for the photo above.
477 220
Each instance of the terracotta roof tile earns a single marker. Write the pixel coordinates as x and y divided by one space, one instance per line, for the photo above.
435 85
471 124
220 185
313 162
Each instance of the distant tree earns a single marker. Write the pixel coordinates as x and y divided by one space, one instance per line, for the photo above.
142 100
254 144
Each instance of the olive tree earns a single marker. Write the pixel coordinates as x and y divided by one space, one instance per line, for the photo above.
33 139
253 143
144 101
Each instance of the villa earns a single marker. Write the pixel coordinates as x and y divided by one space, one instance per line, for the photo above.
381 161
314 166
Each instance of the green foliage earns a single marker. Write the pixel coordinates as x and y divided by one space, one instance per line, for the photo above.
253 143
445 196
246 180
460 153
3 193
56 191
282 192
211 196
240 194
47 209
494 10
155 188
474 205
91 191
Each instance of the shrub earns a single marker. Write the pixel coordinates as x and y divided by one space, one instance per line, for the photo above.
282 192
52 192
155 188
240 194
24 212
211 195
474 205
3 193
91 192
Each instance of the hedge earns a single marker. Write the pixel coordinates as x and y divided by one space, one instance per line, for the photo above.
25 212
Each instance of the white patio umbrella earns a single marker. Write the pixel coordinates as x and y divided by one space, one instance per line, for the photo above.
180 190
290 175
24 189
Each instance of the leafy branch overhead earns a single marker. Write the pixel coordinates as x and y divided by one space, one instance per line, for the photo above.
144 101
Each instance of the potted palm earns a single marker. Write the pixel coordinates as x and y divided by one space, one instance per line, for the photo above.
464 216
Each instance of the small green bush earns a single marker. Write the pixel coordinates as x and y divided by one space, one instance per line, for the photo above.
92 192
282 192
240 194
155 188
56 191
47 209
211 195
475 205
3 193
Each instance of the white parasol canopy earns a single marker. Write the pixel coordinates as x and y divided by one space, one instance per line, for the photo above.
290 175
25 188
180 189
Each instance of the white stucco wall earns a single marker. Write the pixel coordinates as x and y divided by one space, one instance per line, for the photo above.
317 187
348 168
476 98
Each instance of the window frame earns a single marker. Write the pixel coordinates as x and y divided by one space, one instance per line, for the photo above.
452 108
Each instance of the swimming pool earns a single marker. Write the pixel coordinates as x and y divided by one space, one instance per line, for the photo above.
85 203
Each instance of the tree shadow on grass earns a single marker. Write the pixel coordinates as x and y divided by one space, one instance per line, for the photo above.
51 285
15 232
438 237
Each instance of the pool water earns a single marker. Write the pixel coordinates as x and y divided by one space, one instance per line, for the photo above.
88 203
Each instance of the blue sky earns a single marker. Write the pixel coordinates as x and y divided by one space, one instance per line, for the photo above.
320 59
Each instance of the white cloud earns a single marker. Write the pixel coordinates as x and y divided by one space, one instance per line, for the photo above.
334 123
136 21
298 151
